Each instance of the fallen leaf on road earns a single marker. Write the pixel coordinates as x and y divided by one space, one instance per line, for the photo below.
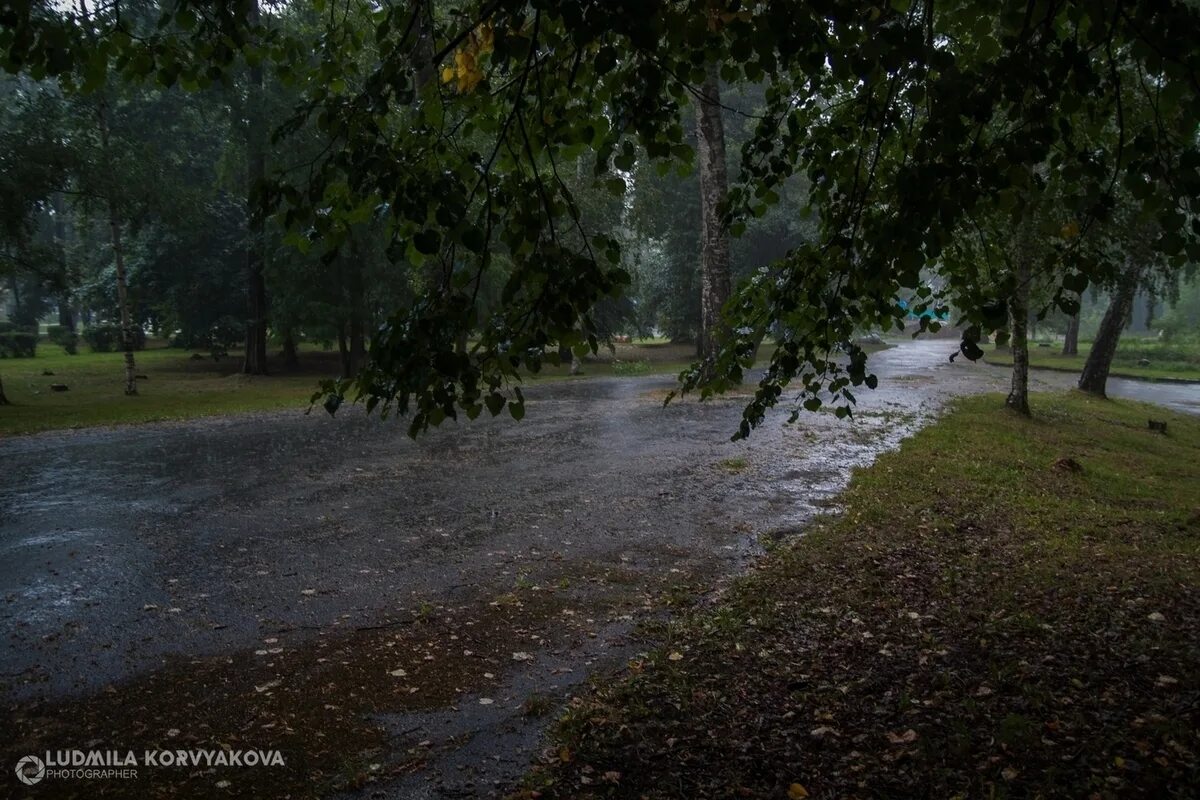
908 737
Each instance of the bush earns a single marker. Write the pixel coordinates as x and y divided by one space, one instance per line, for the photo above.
107 338
102 338
630 367
63 336
18 344
223 334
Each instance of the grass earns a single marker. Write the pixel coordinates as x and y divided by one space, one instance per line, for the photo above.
1007 608
177 387
1167 361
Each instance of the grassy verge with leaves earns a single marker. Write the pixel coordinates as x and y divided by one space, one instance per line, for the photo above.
1144 360
1007 608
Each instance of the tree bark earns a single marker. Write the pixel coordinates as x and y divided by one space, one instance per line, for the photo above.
356 298
1071 338
256 172
66 315
714 237
566 357
290 359
114 226
1094 378
358 350
422 53
1018 394
344 350
3 397
15 288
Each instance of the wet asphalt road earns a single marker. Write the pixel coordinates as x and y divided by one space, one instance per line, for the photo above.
122 548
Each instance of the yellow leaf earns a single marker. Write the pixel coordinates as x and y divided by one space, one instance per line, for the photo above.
797 792
447 74
1070 230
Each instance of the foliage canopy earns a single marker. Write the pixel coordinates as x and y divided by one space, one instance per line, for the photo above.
449 124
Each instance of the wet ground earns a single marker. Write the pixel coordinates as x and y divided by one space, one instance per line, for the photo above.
124 550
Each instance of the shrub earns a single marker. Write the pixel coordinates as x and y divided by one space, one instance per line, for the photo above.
65 337
102 338
223 334
107 338
18 344
630 367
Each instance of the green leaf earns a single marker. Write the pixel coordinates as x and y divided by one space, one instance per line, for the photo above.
494 403
427 242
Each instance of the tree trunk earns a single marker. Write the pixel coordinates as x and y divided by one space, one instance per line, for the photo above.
256 211
1071 338
436 271
114 226
1018 394
3 397
356 299
566 357
358 350
343 349
66 315
15 288
422 54
290 359
714 238
1094 378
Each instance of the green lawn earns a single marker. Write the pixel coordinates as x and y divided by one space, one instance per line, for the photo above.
1007 608
1168 362
177 386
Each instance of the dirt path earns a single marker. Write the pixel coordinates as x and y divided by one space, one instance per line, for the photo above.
137 558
